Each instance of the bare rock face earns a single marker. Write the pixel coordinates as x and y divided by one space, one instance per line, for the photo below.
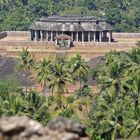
23 128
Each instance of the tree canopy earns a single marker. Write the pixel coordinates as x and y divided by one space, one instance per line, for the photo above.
19 14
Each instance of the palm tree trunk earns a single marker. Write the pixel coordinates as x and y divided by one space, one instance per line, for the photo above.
26 83
81 87
44 88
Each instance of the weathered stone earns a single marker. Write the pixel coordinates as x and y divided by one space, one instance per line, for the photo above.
62 124
68 136
23 128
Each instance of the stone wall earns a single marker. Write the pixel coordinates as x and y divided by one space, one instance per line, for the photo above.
126 35
18 33
22 43
23 128
106 44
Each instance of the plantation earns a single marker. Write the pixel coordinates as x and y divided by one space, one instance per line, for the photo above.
113 112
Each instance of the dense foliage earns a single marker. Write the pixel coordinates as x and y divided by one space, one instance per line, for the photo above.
18 14
117 108
113 112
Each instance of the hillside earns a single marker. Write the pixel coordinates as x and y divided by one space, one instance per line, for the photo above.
19 14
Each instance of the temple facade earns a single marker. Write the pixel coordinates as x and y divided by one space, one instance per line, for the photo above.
79 28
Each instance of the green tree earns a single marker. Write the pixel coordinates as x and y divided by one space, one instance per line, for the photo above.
59 76
36 107
117 115
79 69
43 73
26 64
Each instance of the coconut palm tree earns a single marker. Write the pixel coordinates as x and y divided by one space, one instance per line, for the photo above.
59 76
79 69
26 64
11 104
118 116
36 107
70 107
43 73
135 55
111 76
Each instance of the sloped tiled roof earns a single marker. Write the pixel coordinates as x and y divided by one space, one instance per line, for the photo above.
63 37
71 23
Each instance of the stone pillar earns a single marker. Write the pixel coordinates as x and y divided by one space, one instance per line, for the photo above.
77 36
100 36
82 36
51 36
36 36
69 43
94 34
72 35
110 36
89 36
41 35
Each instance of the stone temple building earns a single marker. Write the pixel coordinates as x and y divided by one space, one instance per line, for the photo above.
79 28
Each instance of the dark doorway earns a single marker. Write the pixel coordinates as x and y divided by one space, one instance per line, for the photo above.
97 36
68 33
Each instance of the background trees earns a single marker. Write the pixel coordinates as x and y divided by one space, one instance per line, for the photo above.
18 14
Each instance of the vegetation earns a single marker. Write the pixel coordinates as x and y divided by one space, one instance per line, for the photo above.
26 64
112 113
18 14
117 107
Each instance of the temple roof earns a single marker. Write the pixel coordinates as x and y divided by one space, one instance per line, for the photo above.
62 37
70 18
71 23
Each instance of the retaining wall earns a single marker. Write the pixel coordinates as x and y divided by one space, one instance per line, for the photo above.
126 35
37 45
18 33
79 44
52 54
106 44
